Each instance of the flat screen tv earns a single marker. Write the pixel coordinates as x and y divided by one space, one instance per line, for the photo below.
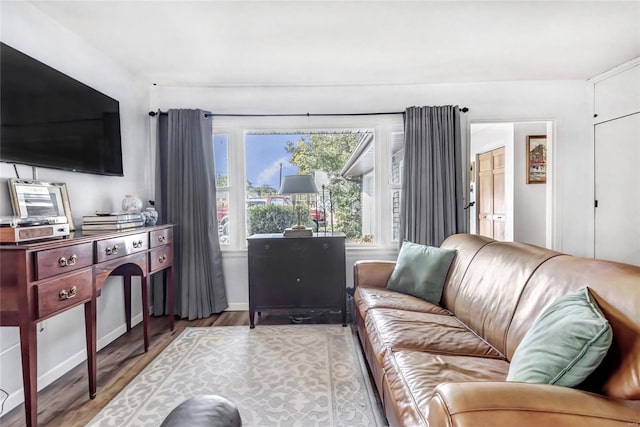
51 120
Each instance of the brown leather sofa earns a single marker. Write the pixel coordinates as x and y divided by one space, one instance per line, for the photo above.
446 366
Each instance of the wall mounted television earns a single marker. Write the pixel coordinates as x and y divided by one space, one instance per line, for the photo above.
51 120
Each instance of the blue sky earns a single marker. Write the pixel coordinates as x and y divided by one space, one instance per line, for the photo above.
264 154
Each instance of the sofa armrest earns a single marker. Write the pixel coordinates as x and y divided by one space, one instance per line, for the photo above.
372 273
523 405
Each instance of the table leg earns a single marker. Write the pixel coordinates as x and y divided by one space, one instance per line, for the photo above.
90 330
127 300
252 314
170 297
29 353
145 310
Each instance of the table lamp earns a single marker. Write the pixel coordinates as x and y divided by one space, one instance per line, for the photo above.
298 184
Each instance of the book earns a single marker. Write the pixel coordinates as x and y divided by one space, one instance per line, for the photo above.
297 232
112 226
112 218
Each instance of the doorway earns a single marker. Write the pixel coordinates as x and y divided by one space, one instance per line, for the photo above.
525 215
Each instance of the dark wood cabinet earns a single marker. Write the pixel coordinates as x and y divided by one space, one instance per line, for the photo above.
297 273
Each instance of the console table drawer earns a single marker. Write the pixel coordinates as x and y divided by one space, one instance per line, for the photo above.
59 294
62 260
160 258
121 246
161 237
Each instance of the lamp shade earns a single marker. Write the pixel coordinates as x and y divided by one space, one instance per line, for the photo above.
298 184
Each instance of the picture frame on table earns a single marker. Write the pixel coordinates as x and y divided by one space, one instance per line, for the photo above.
34 198
536 158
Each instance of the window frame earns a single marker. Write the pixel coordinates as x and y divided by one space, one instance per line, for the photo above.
384 126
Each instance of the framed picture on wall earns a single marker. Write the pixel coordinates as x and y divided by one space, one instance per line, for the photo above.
536 156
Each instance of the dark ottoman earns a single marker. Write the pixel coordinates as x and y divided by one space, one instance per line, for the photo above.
201 411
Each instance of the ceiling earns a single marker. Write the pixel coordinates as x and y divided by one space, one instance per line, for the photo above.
269 43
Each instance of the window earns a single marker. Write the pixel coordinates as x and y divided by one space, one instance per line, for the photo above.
350 158
397 170
221 154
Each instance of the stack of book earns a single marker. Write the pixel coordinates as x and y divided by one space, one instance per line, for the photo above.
94 224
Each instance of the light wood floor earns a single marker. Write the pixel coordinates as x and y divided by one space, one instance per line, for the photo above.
66 402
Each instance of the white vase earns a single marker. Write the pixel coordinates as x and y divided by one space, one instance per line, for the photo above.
150 216
132 204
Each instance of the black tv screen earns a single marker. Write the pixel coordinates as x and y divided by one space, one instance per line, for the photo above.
51 120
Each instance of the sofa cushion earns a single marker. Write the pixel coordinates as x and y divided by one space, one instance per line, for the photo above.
566 343
421 271
412 376
400 329
368 298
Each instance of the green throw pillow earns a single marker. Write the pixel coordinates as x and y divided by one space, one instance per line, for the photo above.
421 271
566 343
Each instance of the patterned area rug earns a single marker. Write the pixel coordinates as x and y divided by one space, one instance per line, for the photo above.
290 375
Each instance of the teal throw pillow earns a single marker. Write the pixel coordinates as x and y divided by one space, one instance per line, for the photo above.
421 271
565 344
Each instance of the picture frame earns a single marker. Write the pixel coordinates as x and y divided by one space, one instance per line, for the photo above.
32 198
536 159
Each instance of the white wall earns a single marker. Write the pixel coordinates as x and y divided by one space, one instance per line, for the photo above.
529 199
61 345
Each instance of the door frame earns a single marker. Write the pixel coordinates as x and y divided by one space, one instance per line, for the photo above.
553 232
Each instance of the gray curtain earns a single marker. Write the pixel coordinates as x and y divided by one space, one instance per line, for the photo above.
186 196
433 192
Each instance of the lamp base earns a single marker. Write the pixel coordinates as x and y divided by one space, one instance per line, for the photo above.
297 232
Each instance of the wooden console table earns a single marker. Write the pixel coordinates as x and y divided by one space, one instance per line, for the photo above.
45 278
297 273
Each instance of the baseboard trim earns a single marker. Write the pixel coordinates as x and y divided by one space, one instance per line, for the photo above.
238 306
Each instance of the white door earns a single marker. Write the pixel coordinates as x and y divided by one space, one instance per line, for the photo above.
617 187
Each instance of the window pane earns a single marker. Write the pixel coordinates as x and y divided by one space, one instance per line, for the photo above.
397 169
337 206
222 210
395 212
221 154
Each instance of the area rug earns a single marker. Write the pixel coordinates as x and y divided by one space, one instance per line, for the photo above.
289 375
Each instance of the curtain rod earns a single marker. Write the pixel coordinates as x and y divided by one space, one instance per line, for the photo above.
154 113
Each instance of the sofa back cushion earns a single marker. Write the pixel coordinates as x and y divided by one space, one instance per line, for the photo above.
616 289
489 291
466 247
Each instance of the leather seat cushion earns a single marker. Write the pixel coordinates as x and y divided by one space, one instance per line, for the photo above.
412 376
433 333
368 298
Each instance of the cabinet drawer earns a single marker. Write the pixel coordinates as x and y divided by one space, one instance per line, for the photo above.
121 246
160 258
161 237
59 294
63 260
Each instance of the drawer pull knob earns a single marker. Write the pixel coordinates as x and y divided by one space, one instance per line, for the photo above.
137 244
111 250
63 262
162 259
162 238
64 295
